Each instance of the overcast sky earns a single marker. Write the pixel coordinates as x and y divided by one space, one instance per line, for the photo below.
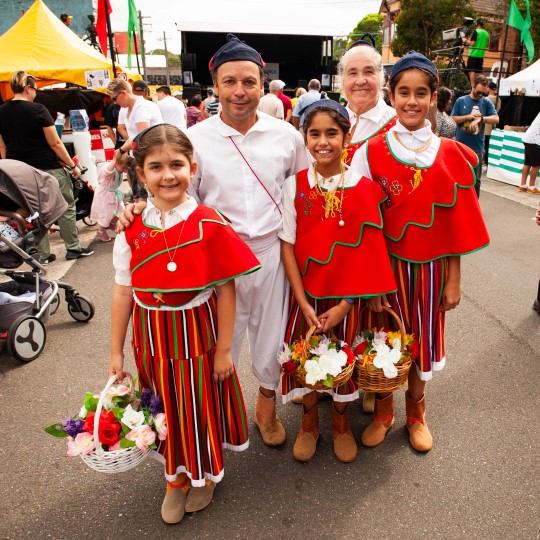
161 16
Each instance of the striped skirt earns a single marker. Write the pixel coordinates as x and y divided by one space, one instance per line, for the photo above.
174 353
297 327
417 303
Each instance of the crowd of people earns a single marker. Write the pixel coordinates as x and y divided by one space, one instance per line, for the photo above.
254 215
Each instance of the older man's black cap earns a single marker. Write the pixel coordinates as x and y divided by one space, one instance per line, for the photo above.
140 85
235 50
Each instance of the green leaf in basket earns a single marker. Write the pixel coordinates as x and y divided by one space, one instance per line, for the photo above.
328 381
118 412
124 443
90 402
125 429
56 430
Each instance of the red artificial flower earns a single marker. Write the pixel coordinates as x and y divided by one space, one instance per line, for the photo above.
350 355
109 427
414 349
361 347
289 367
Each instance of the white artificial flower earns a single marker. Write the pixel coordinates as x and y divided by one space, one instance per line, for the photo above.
313 372
132 419
285 355
322 346
397 343
385 360
332 362
83 412
160 424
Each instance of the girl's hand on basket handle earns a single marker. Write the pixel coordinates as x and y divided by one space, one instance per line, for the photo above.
311 316
223 365
116 367
376 303
334 315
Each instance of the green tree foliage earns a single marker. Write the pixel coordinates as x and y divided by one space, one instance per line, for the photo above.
174 59
420 24
371 23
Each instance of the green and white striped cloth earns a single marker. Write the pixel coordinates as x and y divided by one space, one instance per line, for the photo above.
506 150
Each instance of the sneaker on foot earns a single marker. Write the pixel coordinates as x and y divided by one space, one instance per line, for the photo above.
49 259
74 254
103 236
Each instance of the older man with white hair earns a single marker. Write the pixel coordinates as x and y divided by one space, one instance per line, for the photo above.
270 103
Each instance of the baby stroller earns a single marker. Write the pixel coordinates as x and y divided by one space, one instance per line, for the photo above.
32 202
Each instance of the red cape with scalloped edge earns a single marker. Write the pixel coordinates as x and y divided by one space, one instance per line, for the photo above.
342 262
442 216
209 253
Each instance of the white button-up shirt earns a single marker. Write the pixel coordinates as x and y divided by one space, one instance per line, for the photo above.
370 122
273 149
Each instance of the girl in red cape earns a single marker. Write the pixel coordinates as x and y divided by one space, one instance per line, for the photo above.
431 219
334 254
175 270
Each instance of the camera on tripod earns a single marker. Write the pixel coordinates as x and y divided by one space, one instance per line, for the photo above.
455 36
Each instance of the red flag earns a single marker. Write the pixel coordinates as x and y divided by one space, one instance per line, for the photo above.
101 23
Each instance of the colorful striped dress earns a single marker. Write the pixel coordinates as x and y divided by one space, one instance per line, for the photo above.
432 214
335 261
174 347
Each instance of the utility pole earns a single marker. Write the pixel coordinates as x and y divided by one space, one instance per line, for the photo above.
143 50
167 59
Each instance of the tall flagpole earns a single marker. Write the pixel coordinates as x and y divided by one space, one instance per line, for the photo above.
109 34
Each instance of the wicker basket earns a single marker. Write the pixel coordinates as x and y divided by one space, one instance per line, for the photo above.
372 379
117 460
338 380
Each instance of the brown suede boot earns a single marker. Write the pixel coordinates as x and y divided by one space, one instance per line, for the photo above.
345 446
419 435
306 441
368 402
272 431
383 420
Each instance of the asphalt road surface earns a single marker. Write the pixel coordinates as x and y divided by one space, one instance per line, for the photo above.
480 481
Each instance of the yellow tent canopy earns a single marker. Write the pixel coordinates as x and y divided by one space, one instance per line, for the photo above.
40 44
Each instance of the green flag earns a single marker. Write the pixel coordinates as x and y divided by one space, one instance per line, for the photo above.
133 24
516 20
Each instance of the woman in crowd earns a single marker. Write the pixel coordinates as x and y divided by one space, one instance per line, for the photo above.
446 126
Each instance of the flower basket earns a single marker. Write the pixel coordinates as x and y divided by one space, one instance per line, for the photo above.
114 461
371 378
301 352
115 430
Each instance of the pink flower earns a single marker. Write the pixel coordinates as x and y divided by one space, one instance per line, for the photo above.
160 424
83 444
120 390
143 437
115 446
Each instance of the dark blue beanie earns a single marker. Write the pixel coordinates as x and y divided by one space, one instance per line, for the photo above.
235 50
414 60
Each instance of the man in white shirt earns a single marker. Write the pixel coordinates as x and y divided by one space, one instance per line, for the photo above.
270 103
172 110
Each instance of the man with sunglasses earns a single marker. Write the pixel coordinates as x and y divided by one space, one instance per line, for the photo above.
471 113
28 134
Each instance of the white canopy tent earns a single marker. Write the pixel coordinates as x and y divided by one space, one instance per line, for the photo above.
526 81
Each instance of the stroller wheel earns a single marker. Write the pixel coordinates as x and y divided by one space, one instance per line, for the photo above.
26 338
54 305
89 222
80 308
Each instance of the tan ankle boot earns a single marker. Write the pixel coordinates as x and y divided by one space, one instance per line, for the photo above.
306 441
383 420
272 431
419 435
345 446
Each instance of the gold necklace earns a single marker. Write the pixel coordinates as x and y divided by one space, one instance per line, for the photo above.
332 202
425 146
171 266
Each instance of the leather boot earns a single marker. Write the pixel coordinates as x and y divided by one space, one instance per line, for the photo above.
383 420
306 441
368 402
419 435
272 431
345 446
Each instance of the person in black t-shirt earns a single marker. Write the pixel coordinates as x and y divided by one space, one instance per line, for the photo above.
28 134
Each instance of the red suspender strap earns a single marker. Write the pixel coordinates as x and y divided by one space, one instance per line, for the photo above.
255 175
